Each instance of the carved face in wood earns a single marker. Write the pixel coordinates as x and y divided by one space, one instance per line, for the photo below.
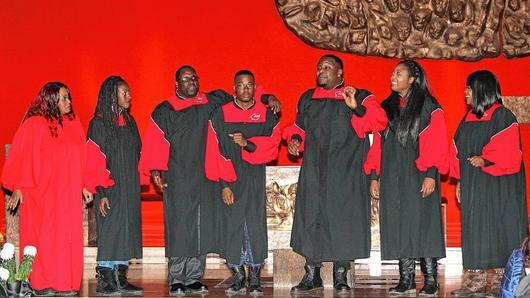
457 10
403 28
514 5
453 37
440 7
392 5
384 31
406 5
420 18
436 28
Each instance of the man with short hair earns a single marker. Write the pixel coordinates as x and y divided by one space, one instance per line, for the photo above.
332 212
243 135
173 155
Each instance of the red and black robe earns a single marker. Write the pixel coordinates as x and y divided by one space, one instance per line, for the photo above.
175 144
243 170
410 225
332 213
112 172
49 170
493 197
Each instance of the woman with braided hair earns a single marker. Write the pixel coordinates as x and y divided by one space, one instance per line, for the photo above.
113 152
408 158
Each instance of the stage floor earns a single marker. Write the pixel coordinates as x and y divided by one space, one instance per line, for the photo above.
152 277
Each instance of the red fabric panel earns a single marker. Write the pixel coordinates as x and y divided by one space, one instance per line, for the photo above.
373 159
155 152
216 165
454 162
434 147
372 121
96 172
504 150
266 148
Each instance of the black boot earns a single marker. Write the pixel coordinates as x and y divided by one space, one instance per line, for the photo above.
311 280
238 286
254 280
406 285
120 272
340 279
106 283
429 268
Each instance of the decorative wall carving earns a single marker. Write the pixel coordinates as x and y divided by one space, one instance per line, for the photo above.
439 29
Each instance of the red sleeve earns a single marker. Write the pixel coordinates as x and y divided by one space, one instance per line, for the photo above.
373 120
373 159
22 164
504 151
292 130
454 162
155 152
433 145
96 172
216 165
266 148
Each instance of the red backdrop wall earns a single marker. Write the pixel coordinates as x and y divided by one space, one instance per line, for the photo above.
83 42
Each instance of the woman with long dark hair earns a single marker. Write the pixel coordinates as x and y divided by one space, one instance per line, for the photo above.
486 159
113 152
414 150
44 170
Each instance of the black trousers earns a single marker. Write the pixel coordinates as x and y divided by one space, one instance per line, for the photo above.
185 270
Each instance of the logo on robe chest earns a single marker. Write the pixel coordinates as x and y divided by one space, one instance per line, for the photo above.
199 98
255 117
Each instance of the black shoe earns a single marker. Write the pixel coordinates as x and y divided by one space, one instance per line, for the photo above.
126 289
177 289
429 268
106 284
406 285
238 286
254 281
197 287
45 293
340 279
310 282
25 289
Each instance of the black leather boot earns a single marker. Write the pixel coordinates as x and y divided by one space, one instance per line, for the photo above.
106 283
254 280
120 272
429 268
406 285
340 279
238 286
311 280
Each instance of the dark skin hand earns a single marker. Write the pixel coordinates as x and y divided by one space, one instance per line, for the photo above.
158 180
104 205
293 146
476 161
15 198
428 186
374 189
238 139
458 192
228 196
274 104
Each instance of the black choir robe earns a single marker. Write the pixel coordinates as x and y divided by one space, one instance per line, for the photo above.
175 143
493 197
112 161
410 225
243 170
332 213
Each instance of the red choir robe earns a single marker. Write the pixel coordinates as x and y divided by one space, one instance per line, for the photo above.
49 171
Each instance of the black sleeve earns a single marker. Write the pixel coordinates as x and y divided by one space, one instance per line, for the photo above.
219 97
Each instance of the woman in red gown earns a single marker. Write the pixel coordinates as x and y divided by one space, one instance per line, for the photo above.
44 170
